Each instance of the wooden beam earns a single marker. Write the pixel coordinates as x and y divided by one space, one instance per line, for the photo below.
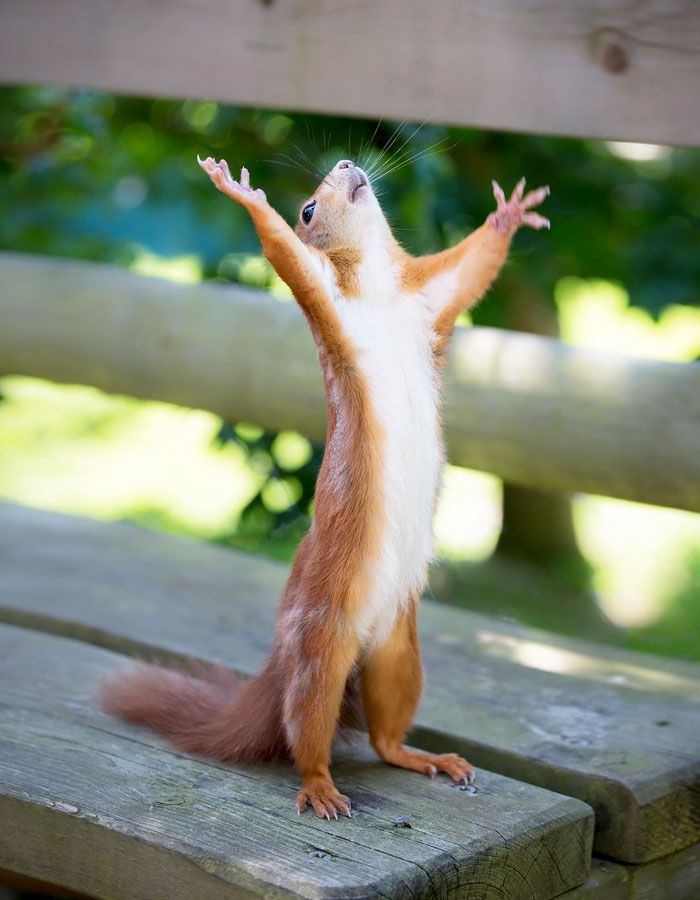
612 70
529 409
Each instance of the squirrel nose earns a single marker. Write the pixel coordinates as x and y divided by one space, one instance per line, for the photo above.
346 164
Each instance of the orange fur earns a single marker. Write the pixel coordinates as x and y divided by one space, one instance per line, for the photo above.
345 263
392 682
319 674
478 260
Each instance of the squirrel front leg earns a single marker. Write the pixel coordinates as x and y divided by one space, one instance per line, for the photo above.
293 261
455 279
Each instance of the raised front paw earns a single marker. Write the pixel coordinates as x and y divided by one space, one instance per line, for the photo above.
240 191
511 214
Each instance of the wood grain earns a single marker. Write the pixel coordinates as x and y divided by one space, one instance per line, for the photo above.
529 409
598 69
606 727
106 808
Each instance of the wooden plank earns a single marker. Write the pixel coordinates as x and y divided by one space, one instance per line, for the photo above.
676 876
109 809
611 70
627 740
527 408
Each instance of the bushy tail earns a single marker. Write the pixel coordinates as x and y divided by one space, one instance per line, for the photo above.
211 713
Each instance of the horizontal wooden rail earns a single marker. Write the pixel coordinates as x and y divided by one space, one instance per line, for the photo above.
614 70
529 409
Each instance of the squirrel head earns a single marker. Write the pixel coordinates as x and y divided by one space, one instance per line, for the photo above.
343 212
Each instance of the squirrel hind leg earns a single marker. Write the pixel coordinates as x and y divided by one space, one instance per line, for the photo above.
396 754
392 680
352 716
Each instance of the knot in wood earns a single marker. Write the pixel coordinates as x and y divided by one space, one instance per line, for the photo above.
611 53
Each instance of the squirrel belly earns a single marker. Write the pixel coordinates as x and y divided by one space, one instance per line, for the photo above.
392 337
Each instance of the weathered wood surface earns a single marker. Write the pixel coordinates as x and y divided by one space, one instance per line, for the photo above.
612 70
675 877
109 809
626 738
527 408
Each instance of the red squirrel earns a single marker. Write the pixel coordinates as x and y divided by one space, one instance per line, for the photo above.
346 638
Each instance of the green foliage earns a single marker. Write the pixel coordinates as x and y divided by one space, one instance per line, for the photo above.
677 631
276 518
96 176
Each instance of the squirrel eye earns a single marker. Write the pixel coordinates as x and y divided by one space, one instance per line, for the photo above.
307 212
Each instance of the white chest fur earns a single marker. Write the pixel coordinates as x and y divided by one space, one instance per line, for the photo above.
392 334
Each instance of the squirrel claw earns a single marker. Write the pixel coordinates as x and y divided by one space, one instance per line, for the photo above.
536 221
498 194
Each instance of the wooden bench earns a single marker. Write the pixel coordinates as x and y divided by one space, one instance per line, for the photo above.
611 733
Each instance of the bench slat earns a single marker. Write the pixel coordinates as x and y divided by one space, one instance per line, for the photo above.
625 71
596 738
78 785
